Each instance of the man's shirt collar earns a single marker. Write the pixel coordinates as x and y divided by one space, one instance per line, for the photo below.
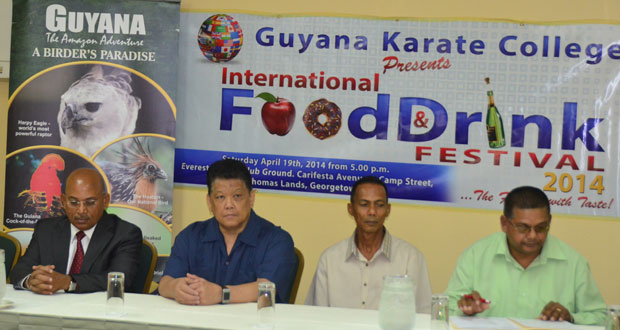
89 232
550 250
249 235
385 249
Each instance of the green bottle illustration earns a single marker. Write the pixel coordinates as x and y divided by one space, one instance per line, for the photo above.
495 125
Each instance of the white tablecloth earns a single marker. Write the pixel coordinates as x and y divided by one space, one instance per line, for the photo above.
87 311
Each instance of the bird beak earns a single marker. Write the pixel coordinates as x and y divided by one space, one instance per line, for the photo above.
68 116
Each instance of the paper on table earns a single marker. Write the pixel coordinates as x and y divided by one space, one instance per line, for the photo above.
539 324
495 323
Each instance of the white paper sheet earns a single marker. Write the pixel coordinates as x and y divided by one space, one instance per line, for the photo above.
538 324
496 323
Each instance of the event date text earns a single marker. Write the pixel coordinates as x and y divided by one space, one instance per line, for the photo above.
357 167
565 182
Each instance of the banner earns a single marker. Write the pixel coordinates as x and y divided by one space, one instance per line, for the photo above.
93 85
446 113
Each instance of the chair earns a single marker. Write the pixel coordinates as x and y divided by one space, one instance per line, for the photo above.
300 269
12 251
146 266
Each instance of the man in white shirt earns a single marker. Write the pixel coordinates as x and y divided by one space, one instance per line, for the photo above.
350 273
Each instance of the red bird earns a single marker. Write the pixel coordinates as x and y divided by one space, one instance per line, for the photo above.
45 180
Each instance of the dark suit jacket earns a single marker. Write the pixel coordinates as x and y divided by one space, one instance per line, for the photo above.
114 247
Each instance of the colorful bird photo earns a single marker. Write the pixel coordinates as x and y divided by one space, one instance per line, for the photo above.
33 190
45 187
138 169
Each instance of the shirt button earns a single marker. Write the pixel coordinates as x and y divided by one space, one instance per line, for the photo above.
365 284
363 303
366 264
227 262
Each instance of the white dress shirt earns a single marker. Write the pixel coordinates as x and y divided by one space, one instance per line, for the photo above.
345 278
73 245
72 248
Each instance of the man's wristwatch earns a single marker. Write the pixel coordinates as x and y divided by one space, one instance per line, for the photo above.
225 295
72 285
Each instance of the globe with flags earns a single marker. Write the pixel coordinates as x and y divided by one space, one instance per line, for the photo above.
220 38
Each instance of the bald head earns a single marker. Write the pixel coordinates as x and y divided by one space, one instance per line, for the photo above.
86 176
85 198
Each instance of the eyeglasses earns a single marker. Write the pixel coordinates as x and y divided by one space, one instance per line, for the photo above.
525 229
88 203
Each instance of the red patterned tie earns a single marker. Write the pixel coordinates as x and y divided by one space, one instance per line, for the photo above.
76 265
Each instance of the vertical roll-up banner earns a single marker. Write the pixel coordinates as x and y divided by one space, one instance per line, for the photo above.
93 84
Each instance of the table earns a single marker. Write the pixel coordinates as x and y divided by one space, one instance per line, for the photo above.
87 311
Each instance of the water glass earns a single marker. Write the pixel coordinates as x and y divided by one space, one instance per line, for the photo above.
439 312
266 305
613 318
116 294
2 276
397 303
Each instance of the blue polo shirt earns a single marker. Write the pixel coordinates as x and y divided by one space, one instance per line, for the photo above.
262 250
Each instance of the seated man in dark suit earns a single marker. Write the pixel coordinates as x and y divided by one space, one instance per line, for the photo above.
75 252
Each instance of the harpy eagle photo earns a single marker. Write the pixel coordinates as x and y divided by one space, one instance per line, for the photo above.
96 109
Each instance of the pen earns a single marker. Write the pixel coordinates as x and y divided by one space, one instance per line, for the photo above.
482 300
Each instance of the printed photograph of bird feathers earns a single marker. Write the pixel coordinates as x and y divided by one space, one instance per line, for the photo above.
89 114
85 106
36 182
137 170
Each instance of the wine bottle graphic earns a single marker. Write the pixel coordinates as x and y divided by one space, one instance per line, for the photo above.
495 125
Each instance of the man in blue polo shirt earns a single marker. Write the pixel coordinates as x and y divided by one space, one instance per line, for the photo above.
221 260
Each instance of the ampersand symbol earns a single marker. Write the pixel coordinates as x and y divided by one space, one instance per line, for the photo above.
420 121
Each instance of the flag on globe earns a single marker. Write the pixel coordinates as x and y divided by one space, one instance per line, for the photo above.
220 38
